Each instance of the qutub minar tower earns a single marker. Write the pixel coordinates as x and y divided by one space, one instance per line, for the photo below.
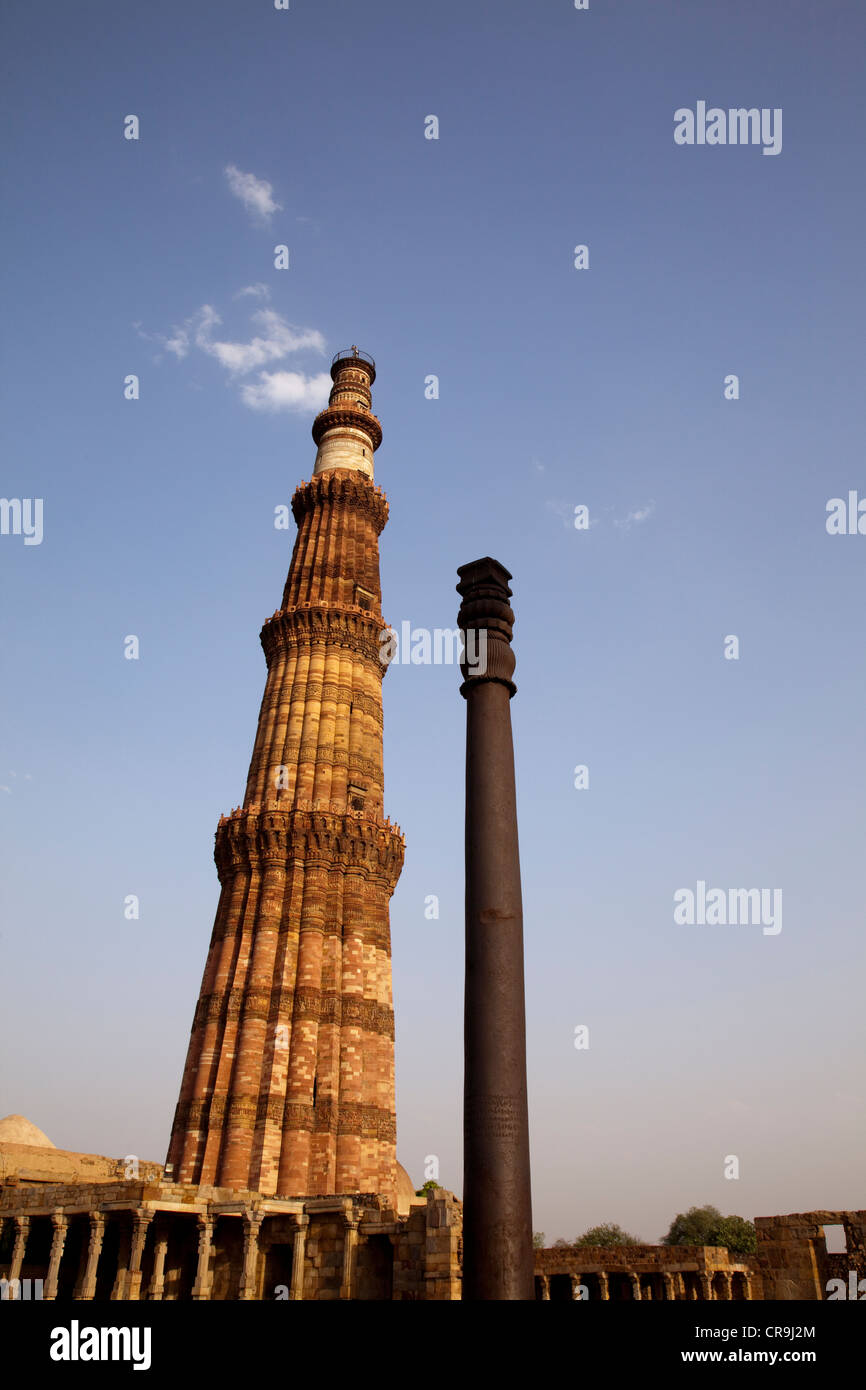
288 1085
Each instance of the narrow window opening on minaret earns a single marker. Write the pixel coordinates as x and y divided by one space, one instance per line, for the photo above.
315 1088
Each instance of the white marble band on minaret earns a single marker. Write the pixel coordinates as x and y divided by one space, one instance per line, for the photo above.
346 431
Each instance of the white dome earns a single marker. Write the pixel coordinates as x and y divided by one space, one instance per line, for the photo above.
16 1129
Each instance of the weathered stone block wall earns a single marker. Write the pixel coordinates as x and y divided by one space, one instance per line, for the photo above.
792 1252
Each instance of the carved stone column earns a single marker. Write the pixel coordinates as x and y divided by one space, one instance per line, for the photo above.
298 1251
124 1252
59 1225
602 1284
545 1287
670 1288
350 1247
252 1225
576 1282
87 1287
728 1292
22 1229
706 1285
140 1222
635 1285
203 1276
156 1287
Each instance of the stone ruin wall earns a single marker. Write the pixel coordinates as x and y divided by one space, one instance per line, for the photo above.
793 1258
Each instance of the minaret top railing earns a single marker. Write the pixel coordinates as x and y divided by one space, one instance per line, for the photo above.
353 354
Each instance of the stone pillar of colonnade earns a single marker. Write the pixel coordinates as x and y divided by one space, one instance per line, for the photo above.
296 1291
204 1276
87 1287
22 1230
59 1227
252 1225
156 1287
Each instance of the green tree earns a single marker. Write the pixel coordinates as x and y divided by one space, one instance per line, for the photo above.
707 1226
538 1239
693 1227
737 1234
428 1186
607 1235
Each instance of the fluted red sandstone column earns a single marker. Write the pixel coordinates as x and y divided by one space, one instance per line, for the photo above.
289 1079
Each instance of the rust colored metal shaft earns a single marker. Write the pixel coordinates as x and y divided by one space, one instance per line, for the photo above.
497 1206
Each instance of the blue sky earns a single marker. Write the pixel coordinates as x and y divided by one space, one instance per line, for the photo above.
557 388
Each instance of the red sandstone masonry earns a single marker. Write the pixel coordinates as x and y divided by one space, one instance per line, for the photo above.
301 940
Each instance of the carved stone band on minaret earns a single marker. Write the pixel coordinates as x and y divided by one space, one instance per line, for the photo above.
252 837
296 627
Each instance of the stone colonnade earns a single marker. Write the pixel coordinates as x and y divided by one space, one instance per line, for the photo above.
643 1285
127 1281
170 1246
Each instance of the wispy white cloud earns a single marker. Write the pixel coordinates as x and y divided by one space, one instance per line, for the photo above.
273 340
276 340
635 517
276 391
257 291
257 195
178 343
